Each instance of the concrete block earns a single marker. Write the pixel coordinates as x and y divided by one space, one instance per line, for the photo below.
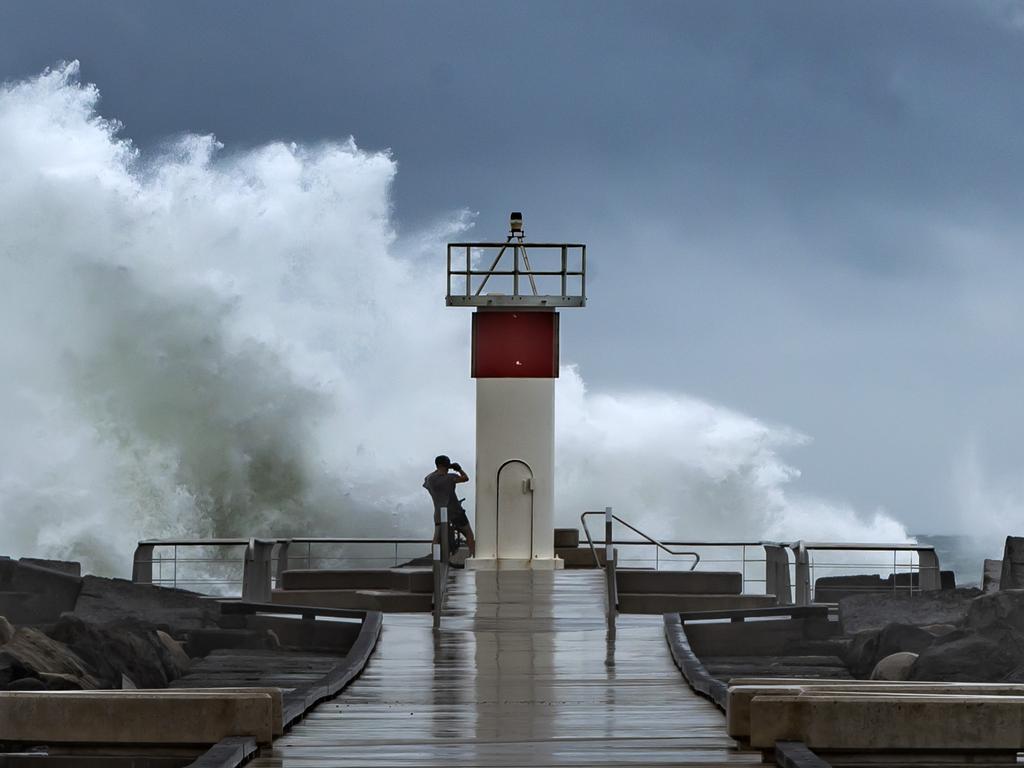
680 582
313 578
657 604
1012 574
275 694
61 589
386 601
737 708
990 575
398 579
743 690
828 720
68 567
111 717
567 537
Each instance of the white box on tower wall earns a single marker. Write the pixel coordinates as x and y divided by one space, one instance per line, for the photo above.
515 462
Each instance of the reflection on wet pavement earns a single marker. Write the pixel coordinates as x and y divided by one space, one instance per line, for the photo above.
520 674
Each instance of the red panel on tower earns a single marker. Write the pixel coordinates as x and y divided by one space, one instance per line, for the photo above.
515 344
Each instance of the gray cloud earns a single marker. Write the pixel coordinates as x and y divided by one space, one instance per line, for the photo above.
806 211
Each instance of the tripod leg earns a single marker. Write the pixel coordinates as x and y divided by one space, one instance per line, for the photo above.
529 270
494 265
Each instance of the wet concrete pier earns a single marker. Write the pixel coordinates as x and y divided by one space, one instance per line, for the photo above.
520 674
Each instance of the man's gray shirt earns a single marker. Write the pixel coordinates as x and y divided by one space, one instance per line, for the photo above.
441 487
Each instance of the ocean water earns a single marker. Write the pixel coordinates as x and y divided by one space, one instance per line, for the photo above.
964 555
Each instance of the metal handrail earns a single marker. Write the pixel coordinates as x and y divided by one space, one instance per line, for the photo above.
655 542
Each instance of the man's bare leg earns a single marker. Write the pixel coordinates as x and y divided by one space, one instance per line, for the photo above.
470 541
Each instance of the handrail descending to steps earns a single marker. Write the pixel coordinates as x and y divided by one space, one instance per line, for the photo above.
609 516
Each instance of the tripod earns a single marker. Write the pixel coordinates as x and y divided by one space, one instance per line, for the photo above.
515 239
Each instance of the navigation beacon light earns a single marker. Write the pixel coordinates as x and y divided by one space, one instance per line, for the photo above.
515 224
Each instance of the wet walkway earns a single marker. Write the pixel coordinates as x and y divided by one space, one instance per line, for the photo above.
519 675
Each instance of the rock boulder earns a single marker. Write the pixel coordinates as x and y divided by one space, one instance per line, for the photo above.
970 657
860 612
122 648
103 601
894 667
870 646
30 653
1002 609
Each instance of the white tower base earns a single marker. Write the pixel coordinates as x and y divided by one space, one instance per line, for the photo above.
510 564
515 463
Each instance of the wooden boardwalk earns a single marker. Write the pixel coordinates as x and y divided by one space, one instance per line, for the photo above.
520 674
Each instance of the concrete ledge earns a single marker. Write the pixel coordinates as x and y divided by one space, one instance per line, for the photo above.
743 691
680 582
386 601
694 672
675 603
130 717
889 722
276 699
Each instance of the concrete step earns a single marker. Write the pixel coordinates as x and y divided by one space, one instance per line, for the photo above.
675 603
398 579
580 557
386 601
680 582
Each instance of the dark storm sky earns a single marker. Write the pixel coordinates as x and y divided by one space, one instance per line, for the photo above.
807 211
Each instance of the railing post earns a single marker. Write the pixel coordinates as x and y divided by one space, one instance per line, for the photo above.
607 531
803 574
613 590
142 564
282 561
441 556
776 574
256 571
929 577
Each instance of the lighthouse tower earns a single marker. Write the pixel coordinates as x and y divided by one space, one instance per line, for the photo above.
516 288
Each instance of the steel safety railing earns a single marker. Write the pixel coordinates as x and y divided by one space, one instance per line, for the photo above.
250 568
786 570
609 517
557 277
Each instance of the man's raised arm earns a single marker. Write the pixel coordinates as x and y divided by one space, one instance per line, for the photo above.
463 477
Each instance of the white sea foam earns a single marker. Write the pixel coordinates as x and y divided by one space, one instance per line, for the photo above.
217 343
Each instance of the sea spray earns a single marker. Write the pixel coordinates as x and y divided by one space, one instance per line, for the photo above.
211 342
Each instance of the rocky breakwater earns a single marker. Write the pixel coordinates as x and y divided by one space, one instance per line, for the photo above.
63 631
949 636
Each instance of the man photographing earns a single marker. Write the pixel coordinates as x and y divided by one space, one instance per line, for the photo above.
440 484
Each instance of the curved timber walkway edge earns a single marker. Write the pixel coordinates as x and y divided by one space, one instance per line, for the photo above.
520 674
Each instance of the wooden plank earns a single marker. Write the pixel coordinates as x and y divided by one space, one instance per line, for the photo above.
519 673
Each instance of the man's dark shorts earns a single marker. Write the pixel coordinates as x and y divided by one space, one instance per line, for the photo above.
456 518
